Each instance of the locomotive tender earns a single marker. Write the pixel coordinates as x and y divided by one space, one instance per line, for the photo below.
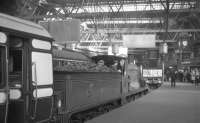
30 92
84 89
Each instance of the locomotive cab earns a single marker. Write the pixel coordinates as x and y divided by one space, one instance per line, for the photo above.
30 75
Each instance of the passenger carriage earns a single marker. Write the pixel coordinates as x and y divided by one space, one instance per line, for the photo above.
26 66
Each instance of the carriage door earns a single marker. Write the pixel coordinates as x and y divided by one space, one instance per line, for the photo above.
3 77
3 85
42 80
16 79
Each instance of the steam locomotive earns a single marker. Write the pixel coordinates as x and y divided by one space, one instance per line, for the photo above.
32 92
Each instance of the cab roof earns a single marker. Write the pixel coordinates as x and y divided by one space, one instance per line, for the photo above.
108 59
17 24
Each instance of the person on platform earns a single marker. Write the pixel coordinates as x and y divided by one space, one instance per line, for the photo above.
193 74
188 76
185 76
197 75
173 78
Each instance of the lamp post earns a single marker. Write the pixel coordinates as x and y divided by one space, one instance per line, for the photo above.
164 45
182 44
163 51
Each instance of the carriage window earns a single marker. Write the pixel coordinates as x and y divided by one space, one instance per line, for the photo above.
41 44
15 66
42 73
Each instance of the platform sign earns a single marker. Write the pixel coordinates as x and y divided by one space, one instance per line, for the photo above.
63 31
152 72
139 40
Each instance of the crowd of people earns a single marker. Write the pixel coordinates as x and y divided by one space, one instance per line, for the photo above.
190 76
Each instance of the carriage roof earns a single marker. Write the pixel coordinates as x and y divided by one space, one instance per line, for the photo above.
18 25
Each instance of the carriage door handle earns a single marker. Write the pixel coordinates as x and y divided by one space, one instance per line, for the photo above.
35 83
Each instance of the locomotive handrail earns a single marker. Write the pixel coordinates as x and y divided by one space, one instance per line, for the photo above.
7 103
35 73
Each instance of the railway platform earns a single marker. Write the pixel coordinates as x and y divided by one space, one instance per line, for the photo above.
164 105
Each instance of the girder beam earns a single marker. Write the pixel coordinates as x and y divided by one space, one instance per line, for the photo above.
134 31
110 2
129 14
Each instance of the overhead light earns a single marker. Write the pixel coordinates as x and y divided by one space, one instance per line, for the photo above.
185 43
